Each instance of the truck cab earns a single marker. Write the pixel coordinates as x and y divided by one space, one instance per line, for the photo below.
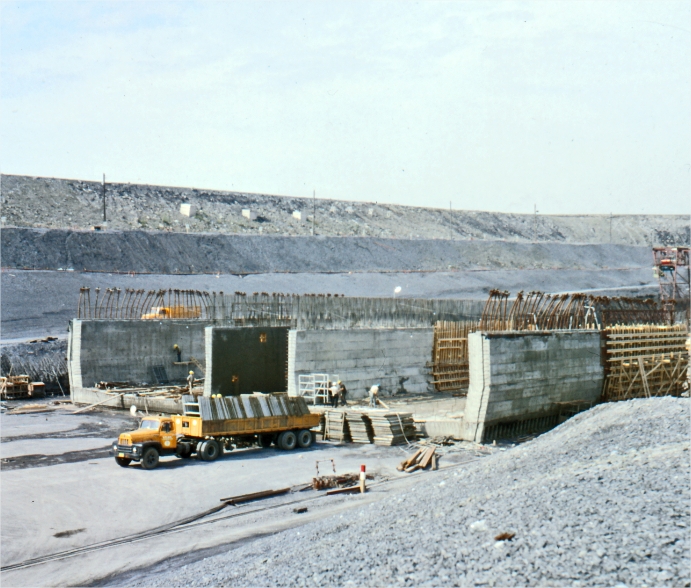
154 437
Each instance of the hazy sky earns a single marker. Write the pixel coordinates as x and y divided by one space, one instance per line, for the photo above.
579 107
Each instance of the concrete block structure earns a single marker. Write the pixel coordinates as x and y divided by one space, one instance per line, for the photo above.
127 350
529 375
395 358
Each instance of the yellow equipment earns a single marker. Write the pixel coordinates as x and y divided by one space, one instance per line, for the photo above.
185 435
173 312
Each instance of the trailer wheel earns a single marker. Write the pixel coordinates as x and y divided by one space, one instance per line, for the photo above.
305 438
287 440
265 440
150 458
123 462
210 450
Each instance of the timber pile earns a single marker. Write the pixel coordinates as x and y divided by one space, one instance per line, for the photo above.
360 427
393 428
420 460
337 428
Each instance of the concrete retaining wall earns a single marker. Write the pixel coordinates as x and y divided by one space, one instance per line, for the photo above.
127 350
395 358
521 376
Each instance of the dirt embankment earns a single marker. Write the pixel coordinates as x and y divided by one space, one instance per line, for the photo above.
176 253
58 203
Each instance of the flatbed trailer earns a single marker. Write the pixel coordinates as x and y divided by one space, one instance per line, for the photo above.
205 431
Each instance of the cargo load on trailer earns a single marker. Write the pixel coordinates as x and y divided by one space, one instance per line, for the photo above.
210 426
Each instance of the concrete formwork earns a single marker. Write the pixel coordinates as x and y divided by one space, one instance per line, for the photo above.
395 358
127 350
521 376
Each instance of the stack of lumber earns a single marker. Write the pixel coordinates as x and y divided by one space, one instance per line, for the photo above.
420 460
393 428
337 427
360 427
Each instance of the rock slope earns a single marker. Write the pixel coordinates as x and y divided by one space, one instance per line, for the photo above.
59 203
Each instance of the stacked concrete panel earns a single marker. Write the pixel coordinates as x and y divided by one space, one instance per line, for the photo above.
395 358
517 376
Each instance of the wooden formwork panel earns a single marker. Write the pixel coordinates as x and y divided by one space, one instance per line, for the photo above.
450 354
645 360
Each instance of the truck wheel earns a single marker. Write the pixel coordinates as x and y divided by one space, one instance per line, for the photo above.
123 462
150 458
210 450
287 440
184 450
305 438
265 440
200 449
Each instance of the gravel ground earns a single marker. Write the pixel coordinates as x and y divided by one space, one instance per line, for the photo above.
602 500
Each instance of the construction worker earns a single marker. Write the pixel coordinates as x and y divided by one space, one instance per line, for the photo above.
373 394
177 350
335 393
190 381
342 392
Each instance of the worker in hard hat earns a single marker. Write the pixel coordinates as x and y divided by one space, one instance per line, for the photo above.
373 394
177 350
334 392
342 391
190 381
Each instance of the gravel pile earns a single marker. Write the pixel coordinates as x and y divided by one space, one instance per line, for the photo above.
602 500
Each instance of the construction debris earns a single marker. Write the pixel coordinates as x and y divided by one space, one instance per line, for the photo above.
420 460
16 387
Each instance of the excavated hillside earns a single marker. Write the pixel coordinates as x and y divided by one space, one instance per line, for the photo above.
76 204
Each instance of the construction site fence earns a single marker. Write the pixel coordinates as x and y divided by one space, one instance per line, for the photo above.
264 309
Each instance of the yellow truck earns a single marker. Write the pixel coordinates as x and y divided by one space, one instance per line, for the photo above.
210 426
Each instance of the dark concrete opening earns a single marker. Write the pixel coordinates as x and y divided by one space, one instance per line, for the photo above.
250 359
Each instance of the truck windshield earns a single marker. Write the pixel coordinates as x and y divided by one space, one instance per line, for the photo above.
149 425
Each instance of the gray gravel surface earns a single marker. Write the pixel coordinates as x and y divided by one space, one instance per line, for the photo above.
602 500
196 253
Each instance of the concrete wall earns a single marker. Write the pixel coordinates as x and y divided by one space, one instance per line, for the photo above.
521 376
395 358
127 350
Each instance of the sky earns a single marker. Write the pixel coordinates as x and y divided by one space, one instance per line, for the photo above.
571 107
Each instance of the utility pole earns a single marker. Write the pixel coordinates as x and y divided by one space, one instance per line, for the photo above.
535 225
610 227
314 209
449 205
105 220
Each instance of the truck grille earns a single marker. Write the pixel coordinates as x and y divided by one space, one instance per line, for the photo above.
125 442
127 449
